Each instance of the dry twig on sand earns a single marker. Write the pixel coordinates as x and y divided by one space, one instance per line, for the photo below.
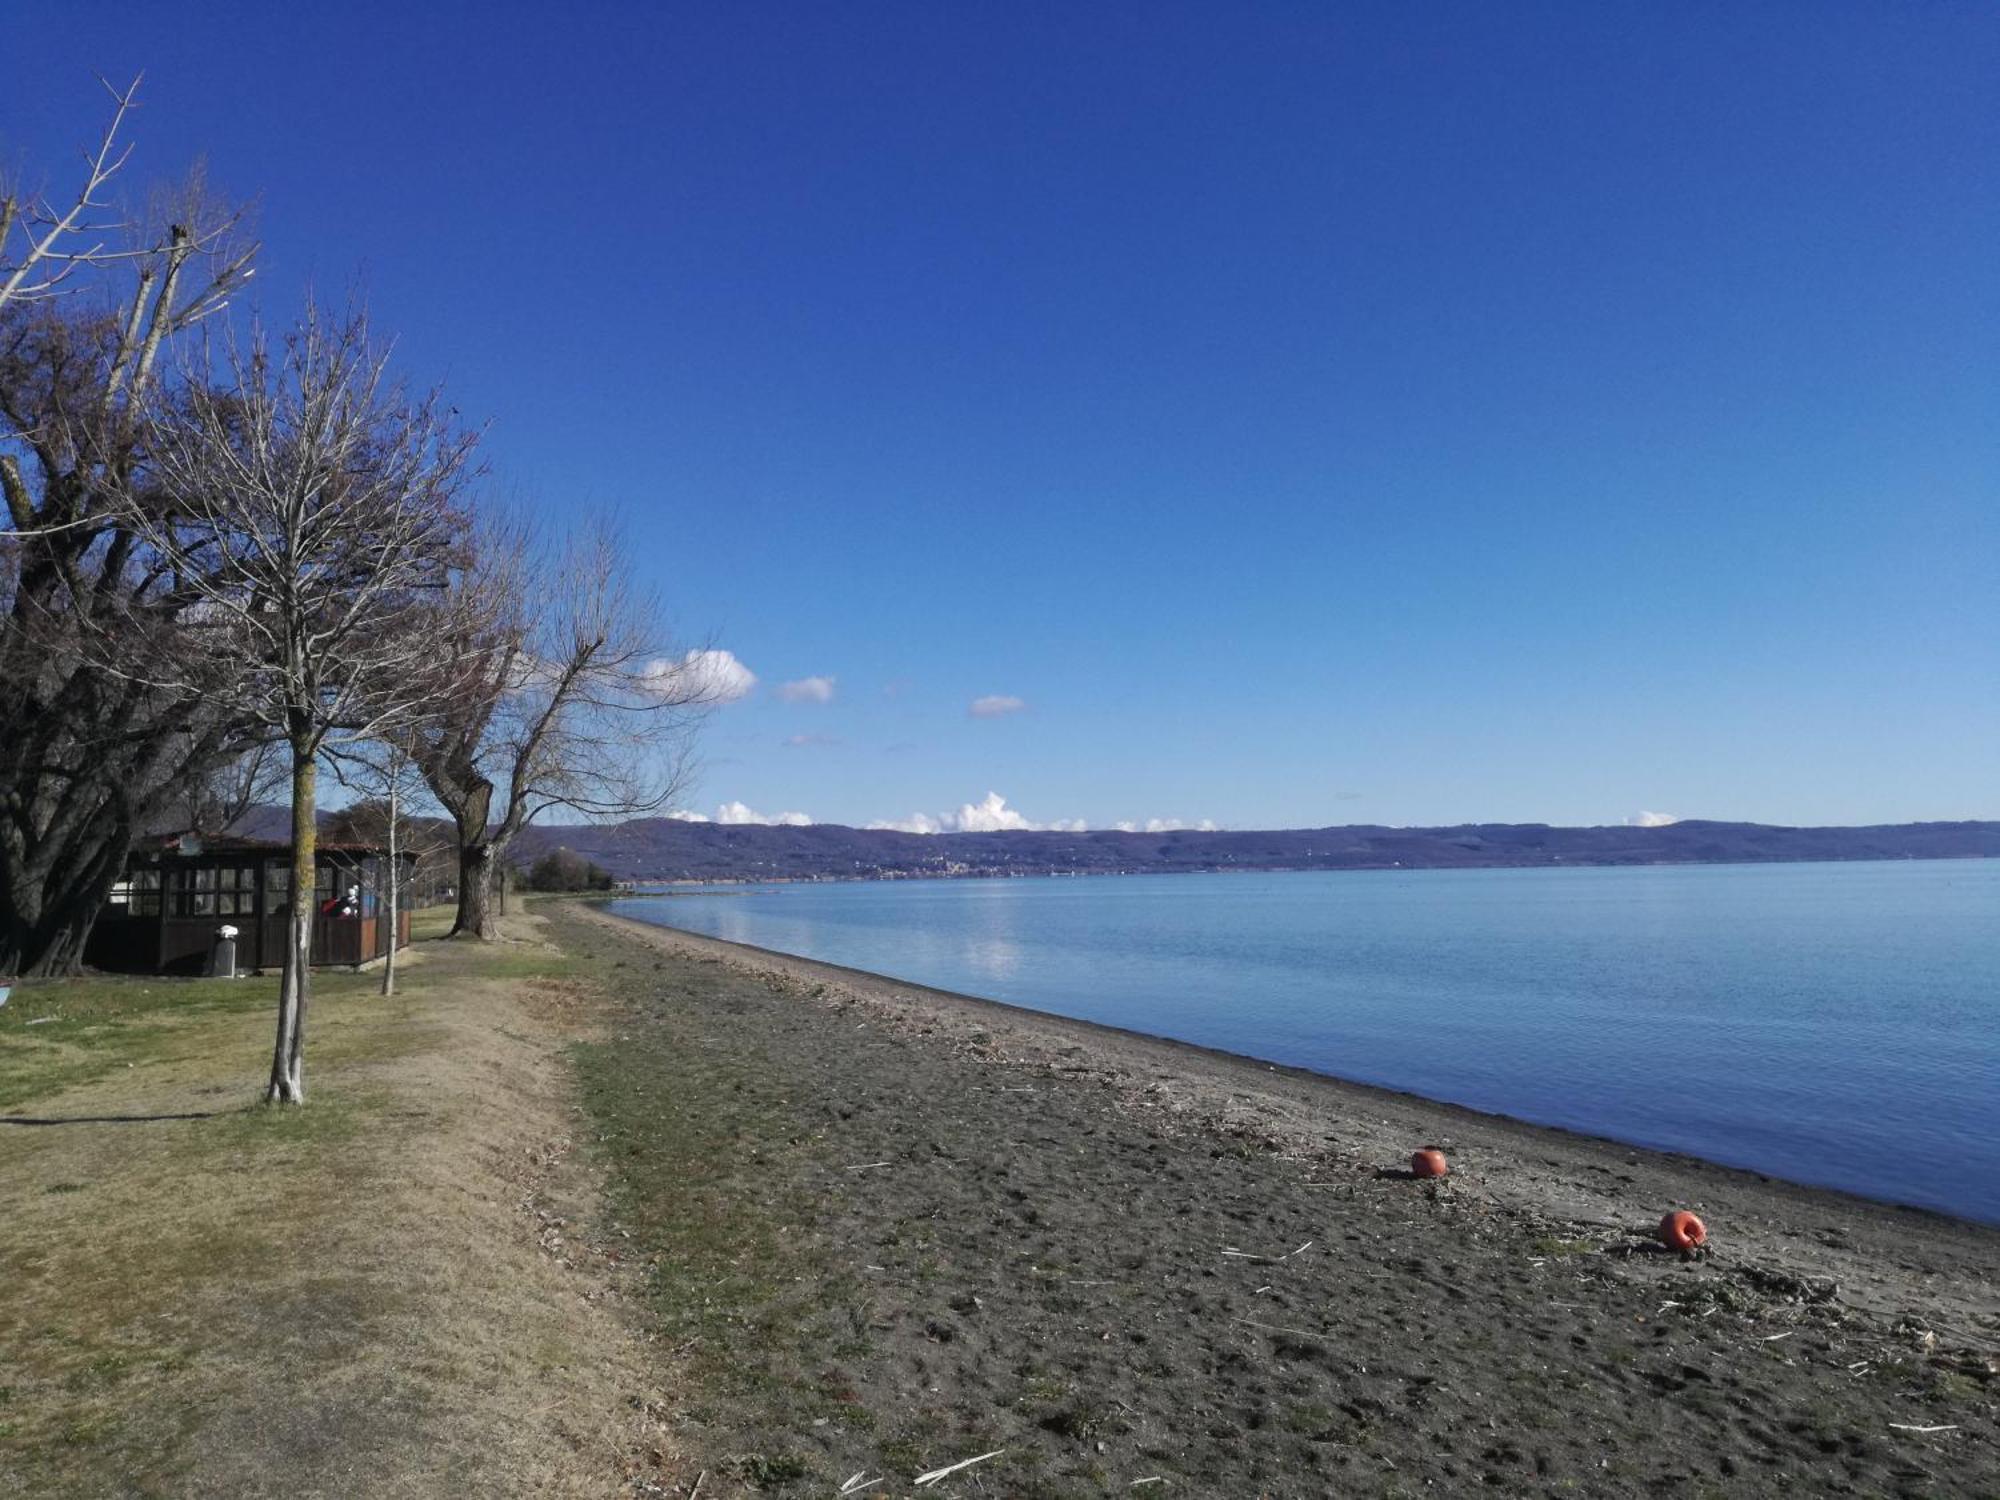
964 1463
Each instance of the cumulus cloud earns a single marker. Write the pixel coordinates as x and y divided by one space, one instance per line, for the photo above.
807 690
682 815
1167 825
990 814
914 823
995 705
736 813
711 676
1652 820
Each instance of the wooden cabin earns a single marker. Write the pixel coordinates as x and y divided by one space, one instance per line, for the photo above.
162 917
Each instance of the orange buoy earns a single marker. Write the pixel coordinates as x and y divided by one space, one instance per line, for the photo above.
1682 1230
1428 1162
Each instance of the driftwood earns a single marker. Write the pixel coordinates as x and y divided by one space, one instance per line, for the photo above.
964 1463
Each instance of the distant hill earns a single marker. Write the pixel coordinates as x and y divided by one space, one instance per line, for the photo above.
666 849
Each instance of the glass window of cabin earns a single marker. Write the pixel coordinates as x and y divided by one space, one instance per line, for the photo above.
236 891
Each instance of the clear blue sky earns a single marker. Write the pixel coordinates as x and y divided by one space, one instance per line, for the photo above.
1311 413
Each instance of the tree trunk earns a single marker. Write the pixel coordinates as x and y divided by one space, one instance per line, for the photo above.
476 917
50 902
288 1080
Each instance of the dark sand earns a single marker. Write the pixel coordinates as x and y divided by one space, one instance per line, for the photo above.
1121 1258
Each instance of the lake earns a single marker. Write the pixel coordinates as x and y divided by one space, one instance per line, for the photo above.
1836 1024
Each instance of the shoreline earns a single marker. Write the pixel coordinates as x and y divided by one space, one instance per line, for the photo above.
1814 1234
668 885
896 1229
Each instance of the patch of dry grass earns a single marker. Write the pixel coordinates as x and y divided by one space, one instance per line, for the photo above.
199 1294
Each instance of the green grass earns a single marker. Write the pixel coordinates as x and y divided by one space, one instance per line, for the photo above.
61 1033
738 1287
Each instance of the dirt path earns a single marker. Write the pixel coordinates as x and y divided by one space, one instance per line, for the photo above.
894 1230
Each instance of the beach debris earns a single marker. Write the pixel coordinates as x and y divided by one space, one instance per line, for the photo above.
1274 1260
1429 1162
964 1463
1303 1333
1681 1230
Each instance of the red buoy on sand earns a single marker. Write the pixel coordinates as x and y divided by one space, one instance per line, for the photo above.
1428 1162
1682 1230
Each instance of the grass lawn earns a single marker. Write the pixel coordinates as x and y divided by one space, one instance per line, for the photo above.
383 1292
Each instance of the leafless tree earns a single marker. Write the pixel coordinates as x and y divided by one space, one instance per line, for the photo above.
311 506
213 799
561 694
391 790
86 754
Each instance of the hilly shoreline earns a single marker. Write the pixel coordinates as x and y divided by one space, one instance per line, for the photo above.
672 849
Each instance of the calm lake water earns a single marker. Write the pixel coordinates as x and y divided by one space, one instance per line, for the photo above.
1835 1023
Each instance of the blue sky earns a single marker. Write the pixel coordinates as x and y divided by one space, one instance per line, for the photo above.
1309 413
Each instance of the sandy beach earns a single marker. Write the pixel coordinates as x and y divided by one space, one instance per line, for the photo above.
1127 1263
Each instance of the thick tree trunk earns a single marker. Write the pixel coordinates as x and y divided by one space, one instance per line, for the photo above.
476 916
50 900
288 1073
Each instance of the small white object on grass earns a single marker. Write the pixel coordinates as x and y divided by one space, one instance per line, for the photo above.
1941 1427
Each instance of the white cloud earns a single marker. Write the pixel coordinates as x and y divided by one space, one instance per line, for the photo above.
736 813
914 823
990 814
1167 825
807 690
994 705
712 676
809 741
1652 820
682 815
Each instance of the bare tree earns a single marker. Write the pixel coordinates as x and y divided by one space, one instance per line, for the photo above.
43 241
391 788
213 799
87 753
312 507
561 694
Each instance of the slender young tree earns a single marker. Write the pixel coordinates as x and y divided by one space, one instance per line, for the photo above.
391 788
558 693
312 506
